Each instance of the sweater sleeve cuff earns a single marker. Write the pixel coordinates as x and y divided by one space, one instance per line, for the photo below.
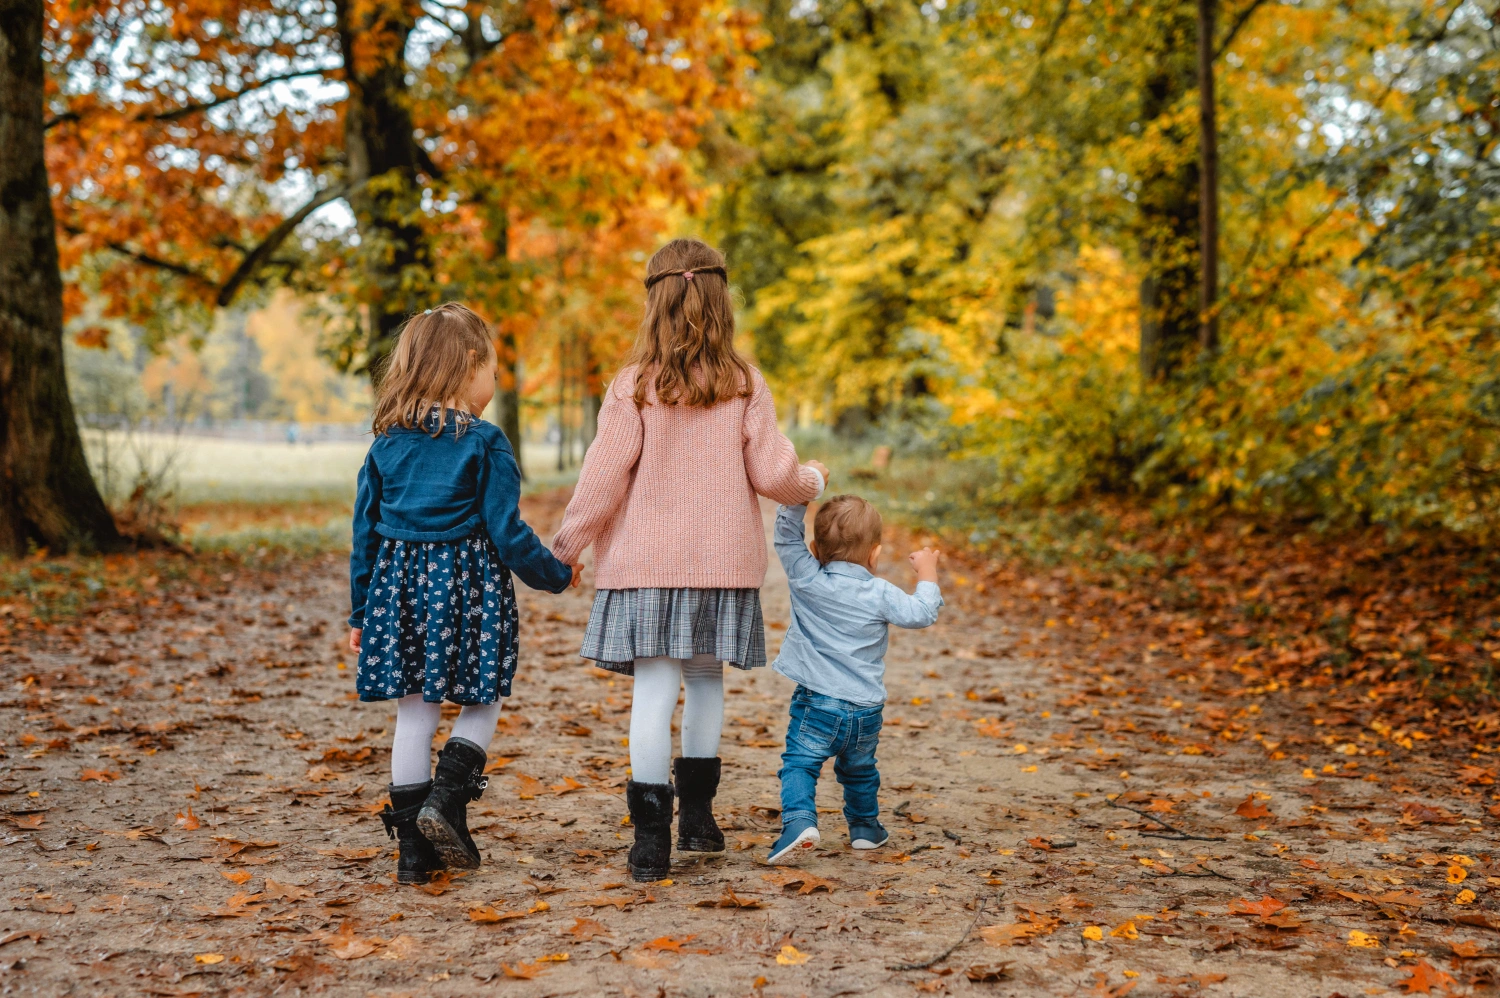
822 484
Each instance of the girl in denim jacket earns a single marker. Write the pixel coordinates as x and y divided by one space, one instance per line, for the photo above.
437 534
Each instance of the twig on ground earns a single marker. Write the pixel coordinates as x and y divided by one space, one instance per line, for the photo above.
1177 834
949 951
1206 873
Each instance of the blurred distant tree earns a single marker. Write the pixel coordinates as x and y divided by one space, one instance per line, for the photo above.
47 496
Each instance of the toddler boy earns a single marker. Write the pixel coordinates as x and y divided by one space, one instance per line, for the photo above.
835 652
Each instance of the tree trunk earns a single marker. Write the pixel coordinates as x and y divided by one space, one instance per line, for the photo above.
1168 200
1208 181
47 495
508 393
379 142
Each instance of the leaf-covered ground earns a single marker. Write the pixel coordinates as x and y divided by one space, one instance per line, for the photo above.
188 797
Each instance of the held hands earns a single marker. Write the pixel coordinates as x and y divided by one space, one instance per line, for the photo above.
577 576
925 562
821 469
355 634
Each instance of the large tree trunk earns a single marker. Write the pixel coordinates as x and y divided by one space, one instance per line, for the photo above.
47 496
379 143
1168 199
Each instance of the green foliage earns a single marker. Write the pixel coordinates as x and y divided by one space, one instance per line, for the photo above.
991 211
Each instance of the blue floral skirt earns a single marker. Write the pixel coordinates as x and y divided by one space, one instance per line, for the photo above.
441 621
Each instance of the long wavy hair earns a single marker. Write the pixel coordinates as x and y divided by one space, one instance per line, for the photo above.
685 347
435 355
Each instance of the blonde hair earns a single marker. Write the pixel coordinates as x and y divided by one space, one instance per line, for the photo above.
685 346
847 528
435 355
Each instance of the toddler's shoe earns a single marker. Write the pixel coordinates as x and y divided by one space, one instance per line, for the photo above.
795 838
871 836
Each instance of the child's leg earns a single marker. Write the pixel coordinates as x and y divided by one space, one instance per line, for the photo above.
806 751
702 707
856 770
476 723
807 743
699 769
411 748
657 682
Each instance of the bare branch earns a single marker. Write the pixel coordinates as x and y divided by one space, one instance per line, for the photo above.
1234 29
1168 831
191 109
262 253
181 270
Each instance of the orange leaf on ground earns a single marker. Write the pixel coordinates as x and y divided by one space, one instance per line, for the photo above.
1018 934
188 821
527 787
791 878
347 946
354 855
1265 906
98 776
584 929
568 785
730 900
285 892
1283 920
666 944
1424 977
236 876
522 971
1250 810
602 901
487 914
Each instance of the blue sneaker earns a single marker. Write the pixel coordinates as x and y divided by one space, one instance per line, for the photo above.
871 836
794 838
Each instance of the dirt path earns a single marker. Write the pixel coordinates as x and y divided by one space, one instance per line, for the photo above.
189 798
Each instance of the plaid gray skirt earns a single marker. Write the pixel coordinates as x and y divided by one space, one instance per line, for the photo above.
627 624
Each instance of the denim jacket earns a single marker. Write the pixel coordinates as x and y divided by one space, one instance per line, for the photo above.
416 487
837 639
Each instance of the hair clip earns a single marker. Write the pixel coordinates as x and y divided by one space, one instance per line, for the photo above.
687 275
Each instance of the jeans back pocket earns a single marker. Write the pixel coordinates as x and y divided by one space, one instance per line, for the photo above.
817 731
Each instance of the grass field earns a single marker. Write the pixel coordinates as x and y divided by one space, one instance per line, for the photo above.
246 495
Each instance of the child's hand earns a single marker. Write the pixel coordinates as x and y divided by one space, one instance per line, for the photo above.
577 576
821 469
925 562
355 634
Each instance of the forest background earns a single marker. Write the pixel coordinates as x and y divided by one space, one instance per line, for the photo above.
968 231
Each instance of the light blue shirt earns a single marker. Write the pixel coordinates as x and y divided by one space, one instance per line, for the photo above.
836 642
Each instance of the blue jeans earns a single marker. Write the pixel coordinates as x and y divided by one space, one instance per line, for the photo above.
822 728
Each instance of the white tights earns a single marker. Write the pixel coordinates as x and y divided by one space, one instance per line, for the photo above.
416 726
657 681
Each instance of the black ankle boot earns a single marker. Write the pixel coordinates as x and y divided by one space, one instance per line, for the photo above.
697 782
651 813
417 858
444 817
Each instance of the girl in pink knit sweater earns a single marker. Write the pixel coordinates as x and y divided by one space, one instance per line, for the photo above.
667 496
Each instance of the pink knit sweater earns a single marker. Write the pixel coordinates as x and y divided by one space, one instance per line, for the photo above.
667 492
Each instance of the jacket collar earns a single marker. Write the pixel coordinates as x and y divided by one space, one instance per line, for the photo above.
848 568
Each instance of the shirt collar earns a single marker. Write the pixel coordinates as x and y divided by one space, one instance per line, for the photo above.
850 569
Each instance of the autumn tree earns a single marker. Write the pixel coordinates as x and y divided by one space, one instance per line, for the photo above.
196 140
47 496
